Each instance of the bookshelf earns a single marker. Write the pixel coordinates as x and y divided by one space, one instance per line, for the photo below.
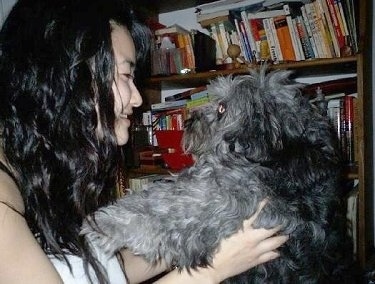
358 63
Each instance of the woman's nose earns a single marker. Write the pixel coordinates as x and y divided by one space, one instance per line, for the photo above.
136 98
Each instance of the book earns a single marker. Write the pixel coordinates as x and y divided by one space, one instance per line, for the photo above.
213 15
207 23
270 40
308 30
169 119
349 128
274 3
336 35
198 102
228 5
266 14
214 35
223 34
174 29
248 49
323 30
292 28
199 95
186 94
345 31
346 85
254 55
329 5
260 39
308 13
285 40
168 105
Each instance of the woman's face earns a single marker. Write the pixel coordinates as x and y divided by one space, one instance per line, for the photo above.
126 94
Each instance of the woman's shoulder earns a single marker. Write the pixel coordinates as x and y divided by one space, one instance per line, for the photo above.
10 194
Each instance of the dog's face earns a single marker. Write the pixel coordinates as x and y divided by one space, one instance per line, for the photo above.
254 116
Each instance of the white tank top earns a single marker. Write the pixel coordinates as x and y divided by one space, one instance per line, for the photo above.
78 275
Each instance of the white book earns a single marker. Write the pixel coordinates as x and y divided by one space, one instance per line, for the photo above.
227 5
270 39
204 17
168 105
174 29
266 14
219 48
276 39
224 38
309 12
293 34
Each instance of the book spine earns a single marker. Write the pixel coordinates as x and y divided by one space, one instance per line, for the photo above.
285 39
305 43
334 37
311 18
244 48
346 30
270 40
335 23
245 20
276 39
297 39
349 131
323 30
334 115
343 130
219 48
189 51
292 33
224 38
309 32
255 26
246 40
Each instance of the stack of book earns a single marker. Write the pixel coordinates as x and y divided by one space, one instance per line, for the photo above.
179 51
173 52
282 31
171 114
340 98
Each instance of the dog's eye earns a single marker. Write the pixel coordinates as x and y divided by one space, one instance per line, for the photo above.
221 108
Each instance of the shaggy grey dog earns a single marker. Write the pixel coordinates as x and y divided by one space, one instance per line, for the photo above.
258 138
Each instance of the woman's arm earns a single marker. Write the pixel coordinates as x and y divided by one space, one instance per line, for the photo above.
21 258
245 249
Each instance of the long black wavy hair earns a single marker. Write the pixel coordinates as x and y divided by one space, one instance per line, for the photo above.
56 63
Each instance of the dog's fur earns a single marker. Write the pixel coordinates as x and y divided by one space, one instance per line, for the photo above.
258 139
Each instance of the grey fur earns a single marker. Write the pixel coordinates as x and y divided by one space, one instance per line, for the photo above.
269 142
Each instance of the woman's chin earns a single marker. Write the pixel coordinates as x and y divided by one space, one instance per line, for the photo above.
122 131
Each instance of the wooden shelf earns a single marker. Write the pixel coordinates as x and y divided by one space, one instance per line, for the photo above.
345 64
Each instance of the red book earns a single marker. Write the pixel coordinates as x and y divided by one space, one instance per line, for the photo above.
335 21
349 128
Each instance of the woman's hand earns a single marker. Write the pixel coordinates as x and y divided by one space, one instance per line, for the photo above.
246 249
243 250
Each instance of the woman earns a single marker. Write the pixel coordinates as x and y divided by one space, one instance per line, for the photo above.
67 89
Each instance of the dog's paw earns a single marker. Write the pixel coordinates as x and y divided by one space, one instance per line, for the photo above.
99 232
